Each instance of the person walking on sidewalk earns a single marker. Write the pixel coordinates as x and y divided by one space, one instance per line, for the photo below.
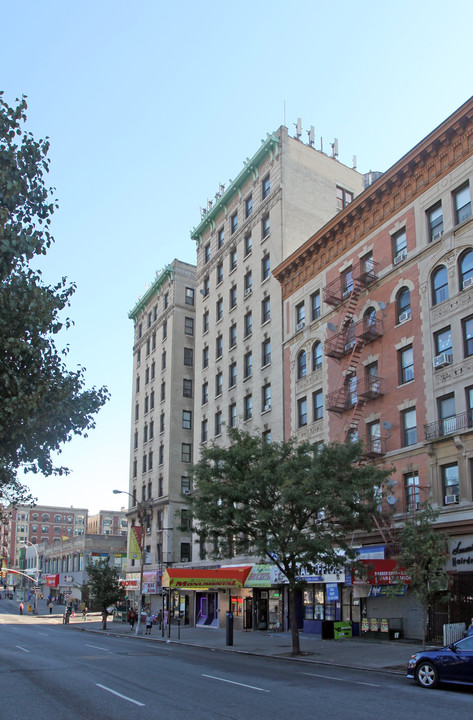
21 608
131 617
149 623
50 606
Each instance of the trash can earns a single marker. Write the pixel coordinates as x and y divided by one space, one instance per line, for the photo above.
327 630
229 628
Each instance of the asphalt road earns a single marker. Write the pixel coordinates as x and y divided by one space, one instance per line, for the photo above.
48 670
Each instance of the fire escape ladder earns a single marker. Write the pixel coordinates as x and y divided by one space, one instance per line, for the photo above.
351 305
385 529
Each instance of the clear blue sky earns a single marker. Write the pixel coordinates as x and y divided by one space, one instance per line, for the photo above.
148 105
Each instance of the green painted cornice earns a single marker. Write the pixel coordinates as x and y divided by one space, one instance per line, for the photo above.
155 289
270 147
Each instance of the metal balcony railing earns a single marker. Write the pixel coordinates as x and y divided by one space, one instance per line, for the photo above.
374 447
448 426
342 343
340 289
370 387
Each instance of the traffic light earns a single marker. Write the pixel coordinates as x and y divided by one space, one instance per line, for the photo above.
4 573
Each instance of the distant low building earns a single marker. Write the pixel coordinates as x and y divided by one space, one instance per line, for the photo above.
107 522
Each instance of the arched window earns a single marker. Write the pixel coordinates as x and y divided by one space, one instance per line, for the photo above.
370 318
301 365
403 304
439 285
316 356
466 269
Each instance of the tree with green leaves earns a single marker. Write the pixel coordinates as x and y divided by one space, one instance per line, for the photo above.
42 403
294 504
104 586
423 556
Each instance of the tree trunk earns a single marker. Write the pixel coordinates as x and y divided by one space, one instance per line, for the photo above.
296 649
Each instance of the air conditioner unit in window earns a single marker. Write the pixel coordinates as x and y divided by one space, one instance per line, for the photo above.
247 291
451 499
468 282
350 345
267 407
186 492
404 316
437 235
443 359
300 325
400 257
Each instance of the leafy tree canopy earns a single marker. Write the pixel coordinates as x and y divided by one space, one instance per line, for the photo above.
42 404
295 504
104 583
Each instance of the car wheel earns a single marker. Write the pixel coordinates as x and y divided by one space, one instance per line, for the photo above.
427 674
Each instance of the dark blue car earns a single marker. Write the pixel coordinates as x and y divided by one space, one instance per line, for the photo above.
452 664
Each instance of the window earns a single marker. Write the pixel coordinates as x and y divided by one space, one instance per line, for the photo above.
248 324
266 436
467 328
232 375
219 273
135 442
439 285
205 356
265 267
266 397
302 412
185 552
185 484
406 365
187 388
234 223
147 376
374 436
316 356
150 460
403 305
233 297
188 357
207 253
248 407
206 287
247 365
399 241
148 347
137 411
411 489
137 385
151 430
248 206
187 420
219 309
186 452
165 330
232 415
188 326
161 454
435 222
451 483
218 347
265 226
344 197
248 282
232 335
466 270
248 244
443 342
301 365
447 414
205 393
205 321
318 404
265 187
218 384
161 422
220 237
315 305
218 423
138 357
140 330
189 296
233 259
347 282
265 310
462 203
266 352
409 427
153 341
166 300
300 316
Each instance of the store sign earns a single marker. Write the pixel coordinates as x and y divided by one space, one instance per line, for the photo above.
322 574
460 554
265 575
332 592
382 572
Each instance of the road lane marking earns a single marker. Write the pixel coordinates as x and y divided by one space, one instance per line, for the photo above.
45 634
98 648
22 648
331 677
114 692
232 682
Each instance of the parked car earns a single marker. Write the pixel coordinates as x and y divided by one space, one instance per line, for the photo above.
451 664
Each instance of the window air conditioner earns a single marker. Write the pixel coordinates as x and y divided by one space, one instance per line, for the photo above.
443 359
437 235
300 325
451 499
186 492
267 407
400 257
247 291
350 345
468 282
404 316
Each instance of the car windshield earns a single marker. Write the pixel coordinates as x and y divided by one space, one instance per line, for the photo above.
465 644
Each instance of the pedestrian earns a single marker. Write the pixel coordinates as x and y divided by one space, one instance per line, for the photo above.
131 617
105 615
50 606
149 623
160 619
84 612
470 629
21 608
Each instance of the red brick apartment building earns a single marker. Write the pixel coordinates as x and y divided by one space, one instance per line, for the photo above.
378 341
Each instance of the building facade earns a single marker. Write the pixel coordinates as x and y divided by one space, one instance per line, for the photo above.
107 522
388 356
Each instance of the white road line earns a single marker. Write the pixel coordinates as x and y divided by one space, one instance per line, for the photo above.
114 692
22 648
98 648
45 634
232 682
330 677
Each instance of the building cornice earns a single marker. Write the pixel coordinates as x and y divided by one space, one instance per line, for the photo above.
155 289
422 167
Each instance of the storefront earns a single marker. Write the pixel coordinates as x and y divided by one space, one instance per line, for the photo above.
322 599
264 608
205 595
460 569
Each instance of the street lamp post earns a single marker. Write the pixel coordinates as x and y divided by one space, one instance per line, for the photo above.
142 509
36 574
